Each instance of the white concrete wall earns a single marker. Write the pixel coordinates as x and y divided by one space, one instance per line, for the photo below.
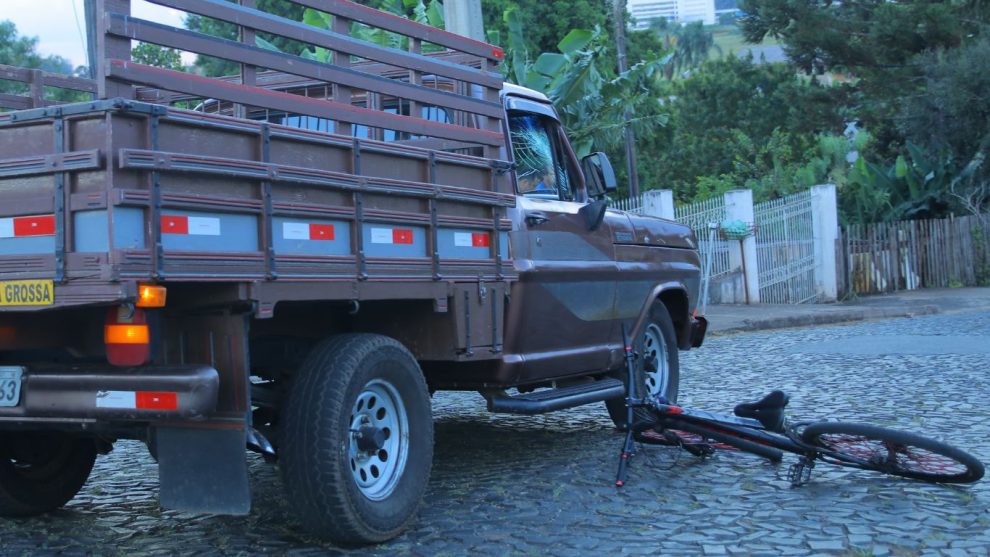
825 222
659 203
739 206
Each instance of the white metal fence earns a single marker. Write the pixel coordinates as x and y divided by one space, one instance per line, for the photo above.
630 205
704 217
785 249
784 261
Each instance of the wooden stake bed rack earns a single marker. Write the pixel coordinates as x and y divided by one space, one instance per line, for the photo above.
401 179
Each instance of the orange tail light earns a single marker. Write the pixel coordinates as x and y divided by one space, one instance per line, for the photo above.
127 337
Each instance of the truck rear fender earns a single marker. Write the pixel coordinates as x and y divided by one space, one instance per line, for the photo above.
674 296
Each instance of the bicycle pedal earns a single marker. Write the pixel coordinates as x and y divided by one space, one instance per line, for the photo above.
799 473
703 450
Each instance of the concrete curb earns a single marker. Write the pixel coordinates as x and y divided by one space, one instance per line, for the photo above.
844 316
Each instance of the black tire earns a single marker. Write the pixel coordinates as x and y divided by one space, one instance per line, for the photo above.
40 472
340 490
893 452
658 338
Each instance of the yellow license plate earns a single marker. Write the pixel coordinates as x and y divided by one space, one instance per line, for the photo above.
27 293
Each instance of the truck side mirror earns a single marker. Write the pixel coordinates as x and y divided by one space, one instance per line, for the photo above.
598 175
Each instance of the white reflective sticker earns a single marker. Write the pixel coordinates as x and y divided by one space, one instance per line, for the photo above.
116 399
295 230
463 239
381 235
204 226
6 228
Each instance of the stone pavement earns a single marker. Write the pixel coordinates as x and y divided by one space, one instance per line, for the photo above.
542 485
731 318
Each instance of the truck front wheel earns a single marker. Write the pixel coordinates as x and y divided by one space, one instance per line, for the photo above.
357 439
40 472
657 368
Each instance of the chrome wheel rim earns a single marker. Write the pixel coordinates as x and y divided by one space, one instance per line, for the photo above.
378 413
655 357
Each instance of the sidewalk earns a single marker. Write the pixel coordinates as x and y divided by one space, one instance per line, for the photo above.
733 318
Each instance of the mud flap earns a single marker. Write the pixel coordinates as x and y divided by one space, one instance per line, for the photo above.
203 470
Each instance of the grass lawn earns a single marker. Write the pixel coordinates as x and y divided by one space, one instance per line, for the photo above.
730 39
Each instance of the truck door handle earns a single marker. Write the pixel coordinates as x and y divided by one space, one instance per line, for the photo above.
534 218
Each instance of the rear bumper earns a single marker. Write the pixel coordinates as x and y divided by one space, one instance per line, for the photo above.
167 393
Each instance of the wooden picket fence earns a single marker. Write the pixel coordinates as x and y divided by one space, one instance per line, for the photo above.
905 255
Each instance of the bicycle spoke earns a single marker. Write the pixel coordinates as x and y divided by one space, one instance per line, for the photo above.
906 458
920 460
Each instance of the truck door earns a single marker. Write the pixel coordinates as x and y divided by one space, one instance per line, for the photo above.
561 308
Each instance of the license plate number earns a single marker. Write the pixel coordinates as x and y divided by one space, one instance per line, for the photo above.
10 385
27 292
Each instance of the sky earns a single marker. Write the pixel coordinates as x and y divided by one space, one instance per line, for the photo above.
61 28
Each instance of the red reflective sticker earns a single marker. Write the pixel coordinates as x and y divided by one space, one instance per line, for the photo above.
498 53
43 225
480 240
152 400
174 224
402 236
321 232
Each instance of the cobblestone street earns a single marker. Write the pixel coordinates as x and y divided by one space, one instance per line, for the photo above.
506 485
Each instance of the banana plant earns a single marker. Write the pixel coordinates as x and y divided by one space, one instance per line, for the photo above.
592 100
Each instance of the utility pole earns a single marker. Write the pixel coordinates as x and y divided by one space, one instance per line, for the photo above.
464 18
89 9
619 13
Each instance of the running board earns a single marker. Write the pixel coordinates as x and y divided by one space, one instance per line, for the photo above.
548 400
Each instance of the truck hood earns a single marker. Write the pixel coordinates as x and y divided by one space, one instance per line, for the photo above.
643 230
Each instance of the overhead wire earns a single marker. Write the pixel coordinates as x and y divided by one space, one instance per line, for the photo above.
82 36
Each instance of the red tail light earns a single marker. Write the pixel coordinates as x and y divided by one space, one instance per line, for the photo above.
127 337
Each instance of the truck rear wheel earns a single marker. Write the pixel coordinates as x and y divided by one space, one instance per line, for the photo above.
40 472
356 446
657 367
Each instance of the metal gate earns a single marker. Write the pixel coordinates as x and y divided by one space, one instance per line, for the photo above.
704 218
785 250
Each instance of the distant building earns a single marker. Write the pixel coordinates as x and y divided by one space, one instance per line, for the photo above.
679 11
726 7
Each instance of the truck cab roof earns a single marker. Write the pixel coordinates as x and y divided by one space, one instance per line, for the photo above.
525 92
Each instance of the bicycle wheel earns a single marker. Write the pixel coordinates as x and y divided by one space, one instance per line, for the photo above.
892 452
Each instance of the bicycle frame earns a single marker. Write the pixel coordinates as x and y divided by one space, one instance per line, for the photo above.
722 425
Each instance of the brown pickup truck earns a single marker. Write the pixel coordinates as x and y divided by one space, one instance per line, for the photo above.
295 258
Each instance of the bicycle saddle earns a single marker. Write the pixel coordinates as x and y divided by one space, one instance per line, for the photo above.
769 410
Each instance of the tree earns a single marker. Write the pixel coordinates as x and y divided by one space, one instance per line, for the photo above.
949 118
741 123
919 70
21 51
159 56
427 12
690 43
217 66
861 35
547 21
424 11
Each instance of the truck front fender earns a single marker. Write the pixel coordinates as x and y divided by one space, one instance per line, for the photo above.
674 295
